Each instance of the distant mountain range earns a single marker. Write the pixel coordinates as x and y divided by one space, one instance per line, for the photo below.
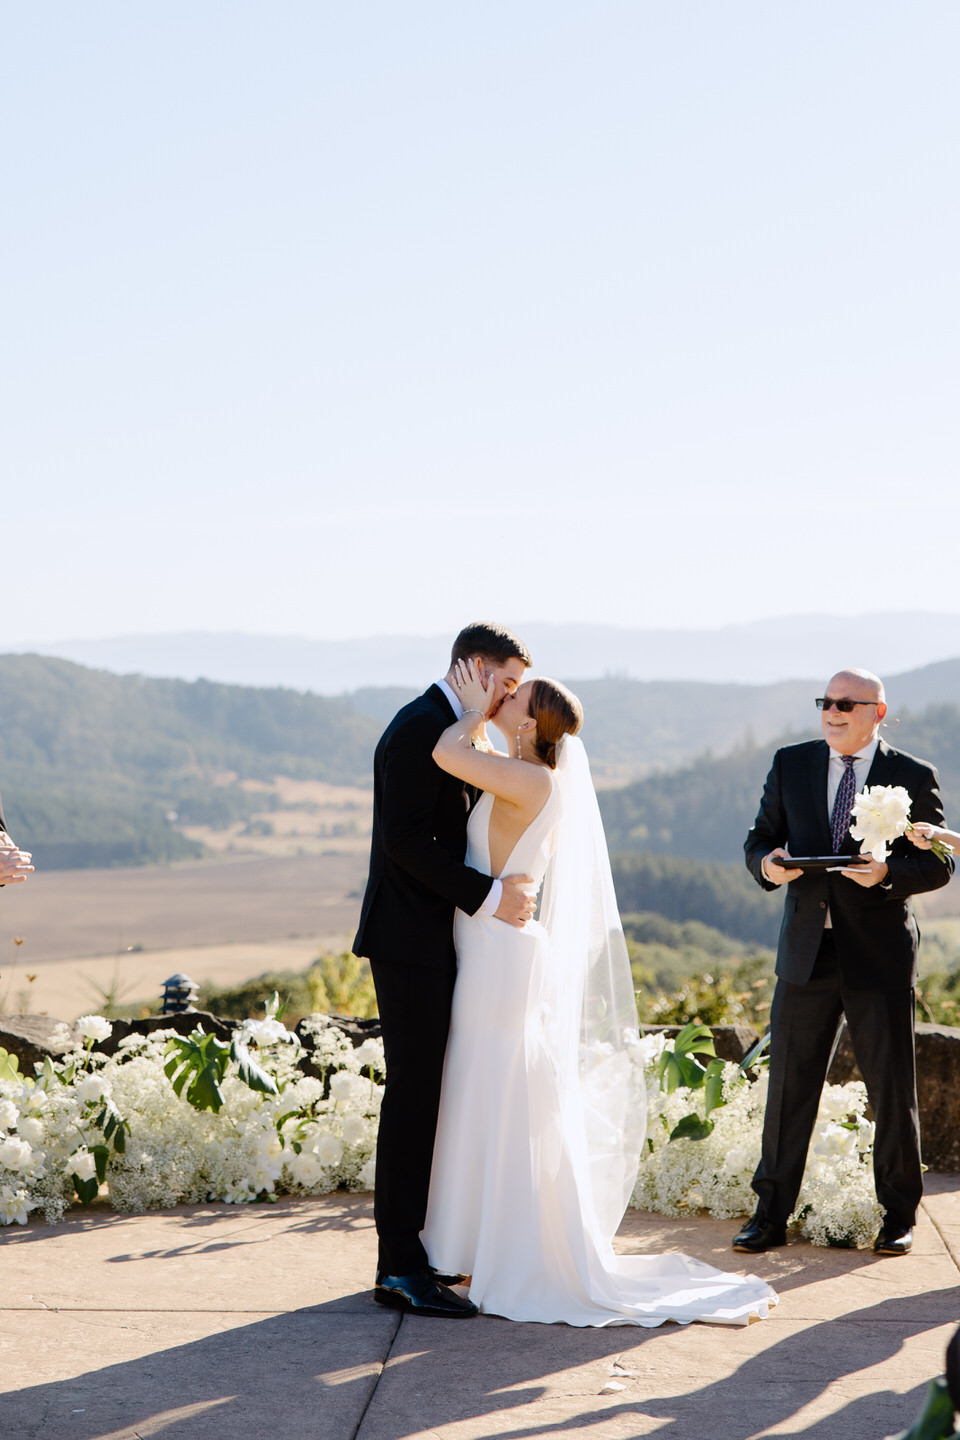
761 652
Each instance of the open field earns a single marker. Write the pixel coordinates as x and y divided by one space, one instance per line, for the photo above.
62 914
68 988
224 920
309 817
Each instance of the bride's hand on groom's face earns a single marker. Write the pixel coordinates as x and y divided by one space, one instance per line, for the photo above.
475 691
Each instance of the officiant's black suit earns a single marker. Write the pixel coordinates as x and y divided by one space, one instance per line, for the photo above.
417 880
865 968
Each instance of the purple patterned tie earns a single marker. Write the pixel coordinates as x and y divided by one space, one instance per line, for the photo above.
843 804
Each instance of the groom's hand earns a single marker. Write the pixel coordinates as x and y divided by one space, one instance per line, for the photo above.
516 906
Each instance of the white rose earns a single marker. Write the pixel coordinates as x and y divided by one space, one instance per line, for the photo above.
16 1154
306 1168
91 1087
328 1148
264 1032
8 1114
83 1165
354 1129
31 1129
94 1027
14 1206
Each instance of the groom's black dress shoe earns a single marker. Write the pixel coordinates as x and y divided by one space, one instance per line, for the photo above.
422 1294
759 1235
894 1239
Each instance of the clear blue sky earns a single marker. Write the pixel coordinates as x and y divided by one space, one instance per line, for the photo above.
333 319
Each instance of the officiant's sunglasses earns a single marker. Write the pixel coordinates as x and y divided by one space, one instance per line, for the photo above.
826 702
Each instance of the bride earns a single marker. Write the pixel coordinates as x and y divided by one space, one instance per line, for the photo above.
542 1108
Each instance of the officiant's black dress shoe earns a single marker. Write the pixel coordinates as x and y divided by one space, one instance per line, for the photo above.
422 1294
759 1235
894 1239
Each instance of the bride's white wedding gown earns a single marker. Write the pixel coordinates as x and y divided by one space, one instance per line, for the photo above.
513 1202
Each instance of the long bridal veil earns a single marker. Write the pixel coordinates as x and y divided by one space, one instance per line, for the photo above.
586 1004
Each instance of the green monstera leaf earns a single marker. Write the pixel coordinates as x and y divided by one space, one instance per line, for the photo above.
196 1067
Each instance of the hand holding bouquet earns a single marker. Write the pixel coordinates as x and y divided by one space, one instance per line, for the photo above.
881 813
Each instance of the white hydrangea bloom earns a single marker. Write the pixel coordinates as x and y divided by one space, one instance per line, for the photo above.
328 1147
353 1129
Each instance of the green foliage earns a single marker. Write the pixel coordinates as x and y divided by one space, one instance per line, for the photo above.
198 1063
251 1073
342 985
938 998
935 1421
725 897
703 810
680 1065
9 1066
114 1128
93 764
331 985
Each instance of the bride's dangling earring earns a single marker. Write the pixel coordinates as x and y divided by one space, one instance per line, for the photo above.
519 745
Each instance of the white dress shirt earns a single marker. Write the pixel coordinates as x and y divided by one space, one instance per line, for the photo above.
491 905
862 761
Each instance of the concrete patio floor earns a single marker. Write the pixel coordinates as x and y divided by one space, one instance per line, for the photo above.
215 1322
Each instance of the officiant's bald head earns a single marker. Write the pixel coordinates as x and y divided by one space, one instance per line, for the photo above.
858 724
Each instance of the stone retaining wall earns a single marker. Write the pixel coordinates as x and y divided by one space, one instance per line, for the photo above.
938 1062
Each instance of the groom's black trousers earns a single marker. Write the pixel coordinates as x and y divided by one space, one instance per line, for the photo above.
803 1026
414 1007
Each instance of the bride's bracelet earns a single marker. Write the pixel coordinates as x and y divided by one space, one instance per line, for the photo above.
472 711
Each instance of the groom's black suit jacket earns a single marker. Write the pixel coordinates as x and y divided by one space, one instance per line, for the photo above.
875 930
417 875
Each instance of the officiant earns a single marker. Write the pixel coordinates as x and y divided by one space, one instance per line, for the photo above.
848 948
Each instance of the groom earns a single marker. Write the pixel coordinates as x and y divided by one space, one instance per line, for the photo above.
848 947
417 880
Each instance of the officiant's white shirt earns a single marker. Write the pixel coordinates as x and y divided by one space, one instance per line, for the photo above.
862 761
491 905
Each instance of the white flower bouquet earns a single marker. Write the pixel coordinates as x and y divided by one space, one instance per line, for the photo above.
881 813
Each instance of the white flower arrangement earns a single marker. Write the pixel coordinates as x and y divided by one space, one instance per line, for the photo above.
837 1203
90 1125
115 1126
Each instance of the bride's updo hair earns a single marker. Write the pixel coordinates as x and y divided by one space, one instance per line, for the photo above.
557 712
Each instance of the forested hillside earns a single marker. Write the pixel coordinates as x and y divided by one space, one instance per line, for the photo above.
703 810
98 769
101 769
